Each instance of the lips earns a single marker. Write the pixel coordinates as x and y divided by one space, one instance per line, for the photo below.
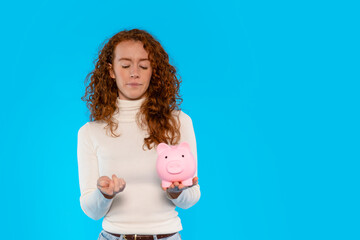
133 84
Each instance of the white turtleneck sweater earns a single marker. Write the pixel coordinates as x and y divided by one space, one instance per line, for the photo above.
143 207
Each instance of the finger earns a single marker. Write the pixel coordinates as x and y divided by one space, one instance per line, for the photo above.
122 184
163 188
195 180
104 178
122 181
103 183
116 183
113 177
172 185
106 190
111 188
176 183
181 186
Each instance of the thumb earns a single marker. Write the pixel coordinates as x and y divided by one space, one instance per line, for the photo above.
114 177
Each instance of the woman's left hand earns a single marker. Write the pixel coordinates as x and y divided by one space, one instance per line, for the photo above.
180 186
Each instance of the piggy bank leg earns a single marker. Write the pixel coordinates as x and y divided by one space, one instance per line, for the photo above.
165 184
187 182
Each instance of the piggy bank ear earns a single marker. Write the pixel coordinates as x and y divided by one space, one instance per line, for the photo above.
162 147
184 145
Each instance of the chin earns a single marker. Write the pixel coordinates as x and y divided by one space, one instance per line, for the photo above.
135 97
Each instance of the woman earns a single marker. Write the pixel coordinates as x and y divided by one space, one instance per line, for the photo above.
132 99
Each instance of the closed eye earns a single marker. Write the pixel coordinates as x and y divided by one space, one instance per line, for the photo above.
129 66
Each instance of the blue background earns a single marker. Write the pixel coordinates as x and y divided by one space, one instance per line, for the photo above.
272 88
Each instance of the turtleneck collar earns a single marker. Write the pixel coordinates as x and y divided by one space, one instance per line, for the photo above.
127 109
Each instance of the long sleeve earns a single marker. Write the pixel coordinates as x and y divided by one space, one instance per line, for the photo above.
92 202
190 196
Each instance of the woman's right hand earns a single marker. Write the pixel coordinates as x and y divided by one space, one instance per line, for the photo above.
110 187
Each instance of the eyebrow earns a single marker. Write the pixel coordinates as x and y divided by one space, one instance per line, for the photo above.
141 59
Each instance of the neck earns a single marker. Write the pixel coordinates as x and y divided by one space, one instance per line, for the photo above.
127 109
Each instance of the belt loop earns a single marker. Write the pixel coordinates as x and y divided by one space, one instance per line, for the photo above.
135 237
155 237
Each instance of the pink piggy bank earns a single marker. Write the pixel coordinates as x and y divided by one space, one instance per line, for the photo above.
175 163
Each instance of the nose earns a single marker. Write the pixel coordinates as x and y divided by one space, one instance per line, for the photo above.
175 167
134 73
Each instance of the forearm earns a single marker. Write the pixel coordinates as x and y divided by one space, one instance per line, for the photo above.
94 204
187 198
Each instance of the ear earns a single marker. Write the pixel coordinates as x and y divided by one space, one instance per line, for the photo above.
184 145
162 147
111 71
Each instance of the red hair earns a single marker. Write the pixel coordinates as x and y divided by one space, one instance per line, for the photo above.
156 113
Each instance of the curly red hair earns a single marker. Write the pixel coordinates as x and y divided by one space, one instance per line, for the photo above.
156 113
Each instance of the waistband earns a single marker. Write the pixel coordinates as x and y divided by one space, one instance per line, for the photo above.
141 237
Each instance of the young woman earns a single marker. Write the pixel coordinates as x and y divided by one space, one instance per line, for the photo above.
132 100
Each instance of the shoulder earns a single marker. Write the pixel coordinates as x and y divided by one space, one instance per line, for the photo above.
86 128
90 125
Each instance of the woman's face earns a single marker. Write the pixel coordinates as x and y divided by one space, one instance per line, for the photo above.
131 70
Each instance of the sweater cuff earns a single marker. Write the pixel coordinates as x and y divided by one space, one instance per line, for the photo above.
94 204
103 200
187 198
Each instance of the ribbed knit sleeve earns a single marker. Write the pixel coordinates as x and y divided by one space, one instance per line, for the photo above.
190 196
92 202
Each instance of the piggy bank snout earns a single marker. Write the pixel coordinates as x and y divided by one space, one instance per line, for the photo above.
175 167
